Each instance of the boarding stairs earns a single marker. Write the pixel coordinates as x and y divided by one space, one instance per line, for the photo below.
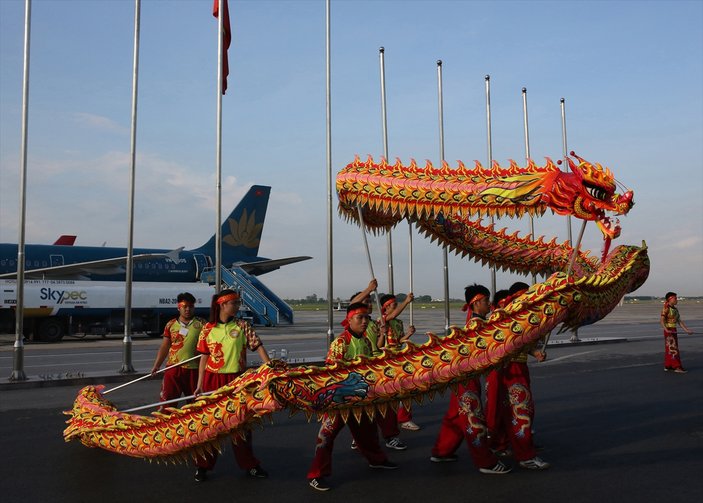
265 307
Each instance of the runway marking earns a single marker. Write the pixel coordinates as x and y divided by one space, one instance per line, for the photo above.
566 357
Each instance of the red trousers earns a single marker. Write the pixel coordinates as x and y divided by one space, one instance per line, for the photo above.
404 415
389 424
243 451
510 410
178 382
672 357
464 420
363 432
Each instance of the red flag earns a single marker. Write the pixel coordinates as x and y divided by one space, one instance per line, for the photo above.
226 39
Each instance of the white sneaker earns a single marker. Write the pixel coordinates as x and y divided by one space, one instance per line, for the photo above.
499 469
395 443
409 425
535 464
318 484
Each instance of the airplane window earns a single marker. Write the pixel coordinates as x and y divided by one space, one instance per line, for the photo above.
43 263
160 266
3 262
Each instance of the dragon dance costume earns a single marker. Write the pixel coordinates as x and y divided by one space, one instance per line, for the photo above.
225 345
346 347
464 419
510 408
670 317
394 333
181 380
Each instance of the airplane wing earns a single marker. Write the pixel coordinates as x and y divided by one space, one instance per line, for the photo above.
105 266
264 266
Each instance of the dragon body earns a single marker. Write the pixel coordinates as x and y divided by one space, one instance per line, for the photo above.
441 202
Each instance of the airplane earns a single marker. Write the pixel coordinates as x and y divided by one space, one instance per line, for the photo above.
241 235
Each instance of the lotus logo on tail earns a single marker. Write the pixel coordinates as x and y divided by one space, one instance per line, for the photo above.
246 232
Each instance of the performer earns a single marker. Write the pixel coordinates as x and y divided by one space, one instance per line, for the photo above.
395 337
509 404
670 317
375 336
178 344
350 344
223 343
388 424
464 417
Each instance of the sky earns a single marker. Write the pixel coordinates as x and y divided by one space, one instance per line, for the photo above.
631 74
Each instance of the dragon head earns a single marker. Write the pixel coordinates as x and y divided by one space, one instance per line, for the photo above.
588 192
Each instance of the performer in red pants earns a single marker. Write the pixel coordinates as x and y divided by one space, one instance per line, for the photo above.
509 404
464 418
223 343
670 317
350 344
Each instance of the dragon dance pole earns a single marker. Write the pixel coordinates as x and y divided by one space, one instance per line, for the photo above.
127 366
328 142
384 124
173 400
527 159
562 103
149 375
574 251
441 162
18 350
566 161
489 145
368 258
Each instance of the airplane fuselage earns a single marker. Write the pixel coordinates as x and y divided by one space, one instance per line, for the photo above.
185 267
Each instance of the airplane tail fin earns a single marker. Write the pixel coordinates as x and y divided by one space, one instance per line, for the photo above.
241 230
65 240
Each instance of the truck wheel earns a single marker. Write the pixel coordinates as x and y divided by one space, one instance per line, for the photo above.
51 330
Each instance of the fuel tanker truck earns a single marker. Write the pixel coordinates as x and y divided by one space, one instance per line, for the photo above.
55 308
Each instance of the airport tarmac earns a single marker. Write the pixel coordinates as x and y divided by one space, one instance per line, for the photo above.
94 359
614 426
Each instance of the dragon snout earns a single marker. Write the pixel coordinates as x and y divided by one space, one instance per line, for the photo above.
624 202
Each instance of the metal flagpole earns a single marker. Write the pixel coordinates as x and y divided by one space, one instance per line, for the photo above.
218 148
127 341
489 145
384 123
328 142
527 159
441 161
18 350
